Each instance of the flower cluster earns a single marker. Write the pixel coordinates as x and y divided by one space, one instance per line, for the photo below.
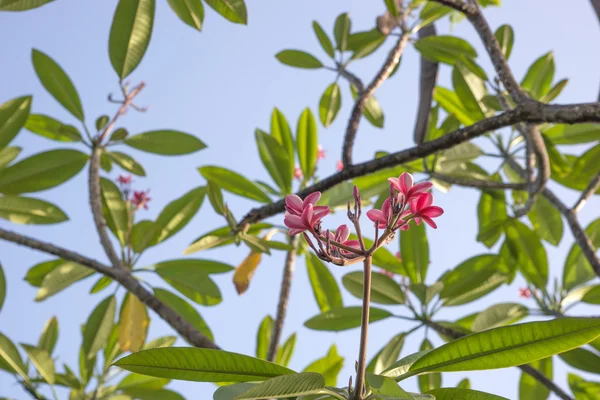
138 198
407 202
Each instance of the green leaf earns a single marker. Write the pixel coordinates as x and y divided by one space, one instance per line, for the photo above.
341 319
191 12
324 287
50 128
165 142
372 111
491 214
470 89
263 337
526 247
555 91
385 387
41 171
464 384
444 49
426 293
101 284
573 134
328 366
330 104
323 39
531 388
130 34
2 287
234 183
143 235
126 162
307 143
230 391
582 359
13 115
292 385
27 210
364 43
99 326
57 83
506 38
341 31
387 355
185 310
151 394
178 213
582 171
200 365
232 10
114 209
280 130
428 382
539 76
284 353
36 274
8 154
463 394
508 346
298 59
194 265
133 324
451 103
276 160
499 315
10 359
431 12
398 369
62 276
138 381
384 290
163 341
119 135
195 285
546 221
415 252
21 5
42 361
584 390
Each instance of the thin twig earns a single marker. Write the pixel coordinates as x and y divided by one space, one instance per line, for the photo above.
427 81
284 297
528 369
530 112
589 191
477 183
385 71
127 101
364 331
124 277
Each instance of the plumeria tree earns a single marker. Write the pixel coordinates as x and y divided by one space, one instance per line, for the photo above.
487 115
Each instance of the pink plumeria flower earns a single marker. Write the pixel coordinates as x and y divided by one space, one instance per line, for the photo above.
422 209
298 172
524 292
382 216
124 179
140 199
320 153
303 215
405 185
342 234
340 165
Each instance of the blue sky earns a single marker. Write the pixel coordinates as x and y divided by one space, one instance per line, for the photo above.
220 85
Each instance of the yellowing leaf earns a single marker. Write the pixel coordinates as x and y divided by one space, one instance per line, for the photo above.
245 271
133 324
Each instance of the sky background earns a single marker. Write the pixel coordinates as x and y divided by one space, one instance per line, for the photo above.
220 85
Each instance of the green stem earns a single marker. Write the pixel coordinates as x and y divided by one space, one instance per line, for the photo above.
364 331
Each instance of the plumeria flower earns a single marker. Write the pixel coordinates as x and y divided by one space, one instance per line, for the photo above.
297 172
405 185
382 216
342 234
422 209
340 165
524 292
303 215
124 179
140 199
320 153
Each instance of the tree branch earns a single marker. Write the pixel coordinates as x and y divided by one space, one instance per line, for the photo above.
528 369
596 5
581 237
427 81
589 191
96 206
124 277
284 297
477 183
385 71
530 112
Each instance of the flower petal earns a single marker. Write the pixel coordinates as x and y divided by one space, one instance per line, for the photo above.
312 199
429 222
421 187
342 233
406 182
432 211
375 215
293 204
293 221
395 183
307 216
